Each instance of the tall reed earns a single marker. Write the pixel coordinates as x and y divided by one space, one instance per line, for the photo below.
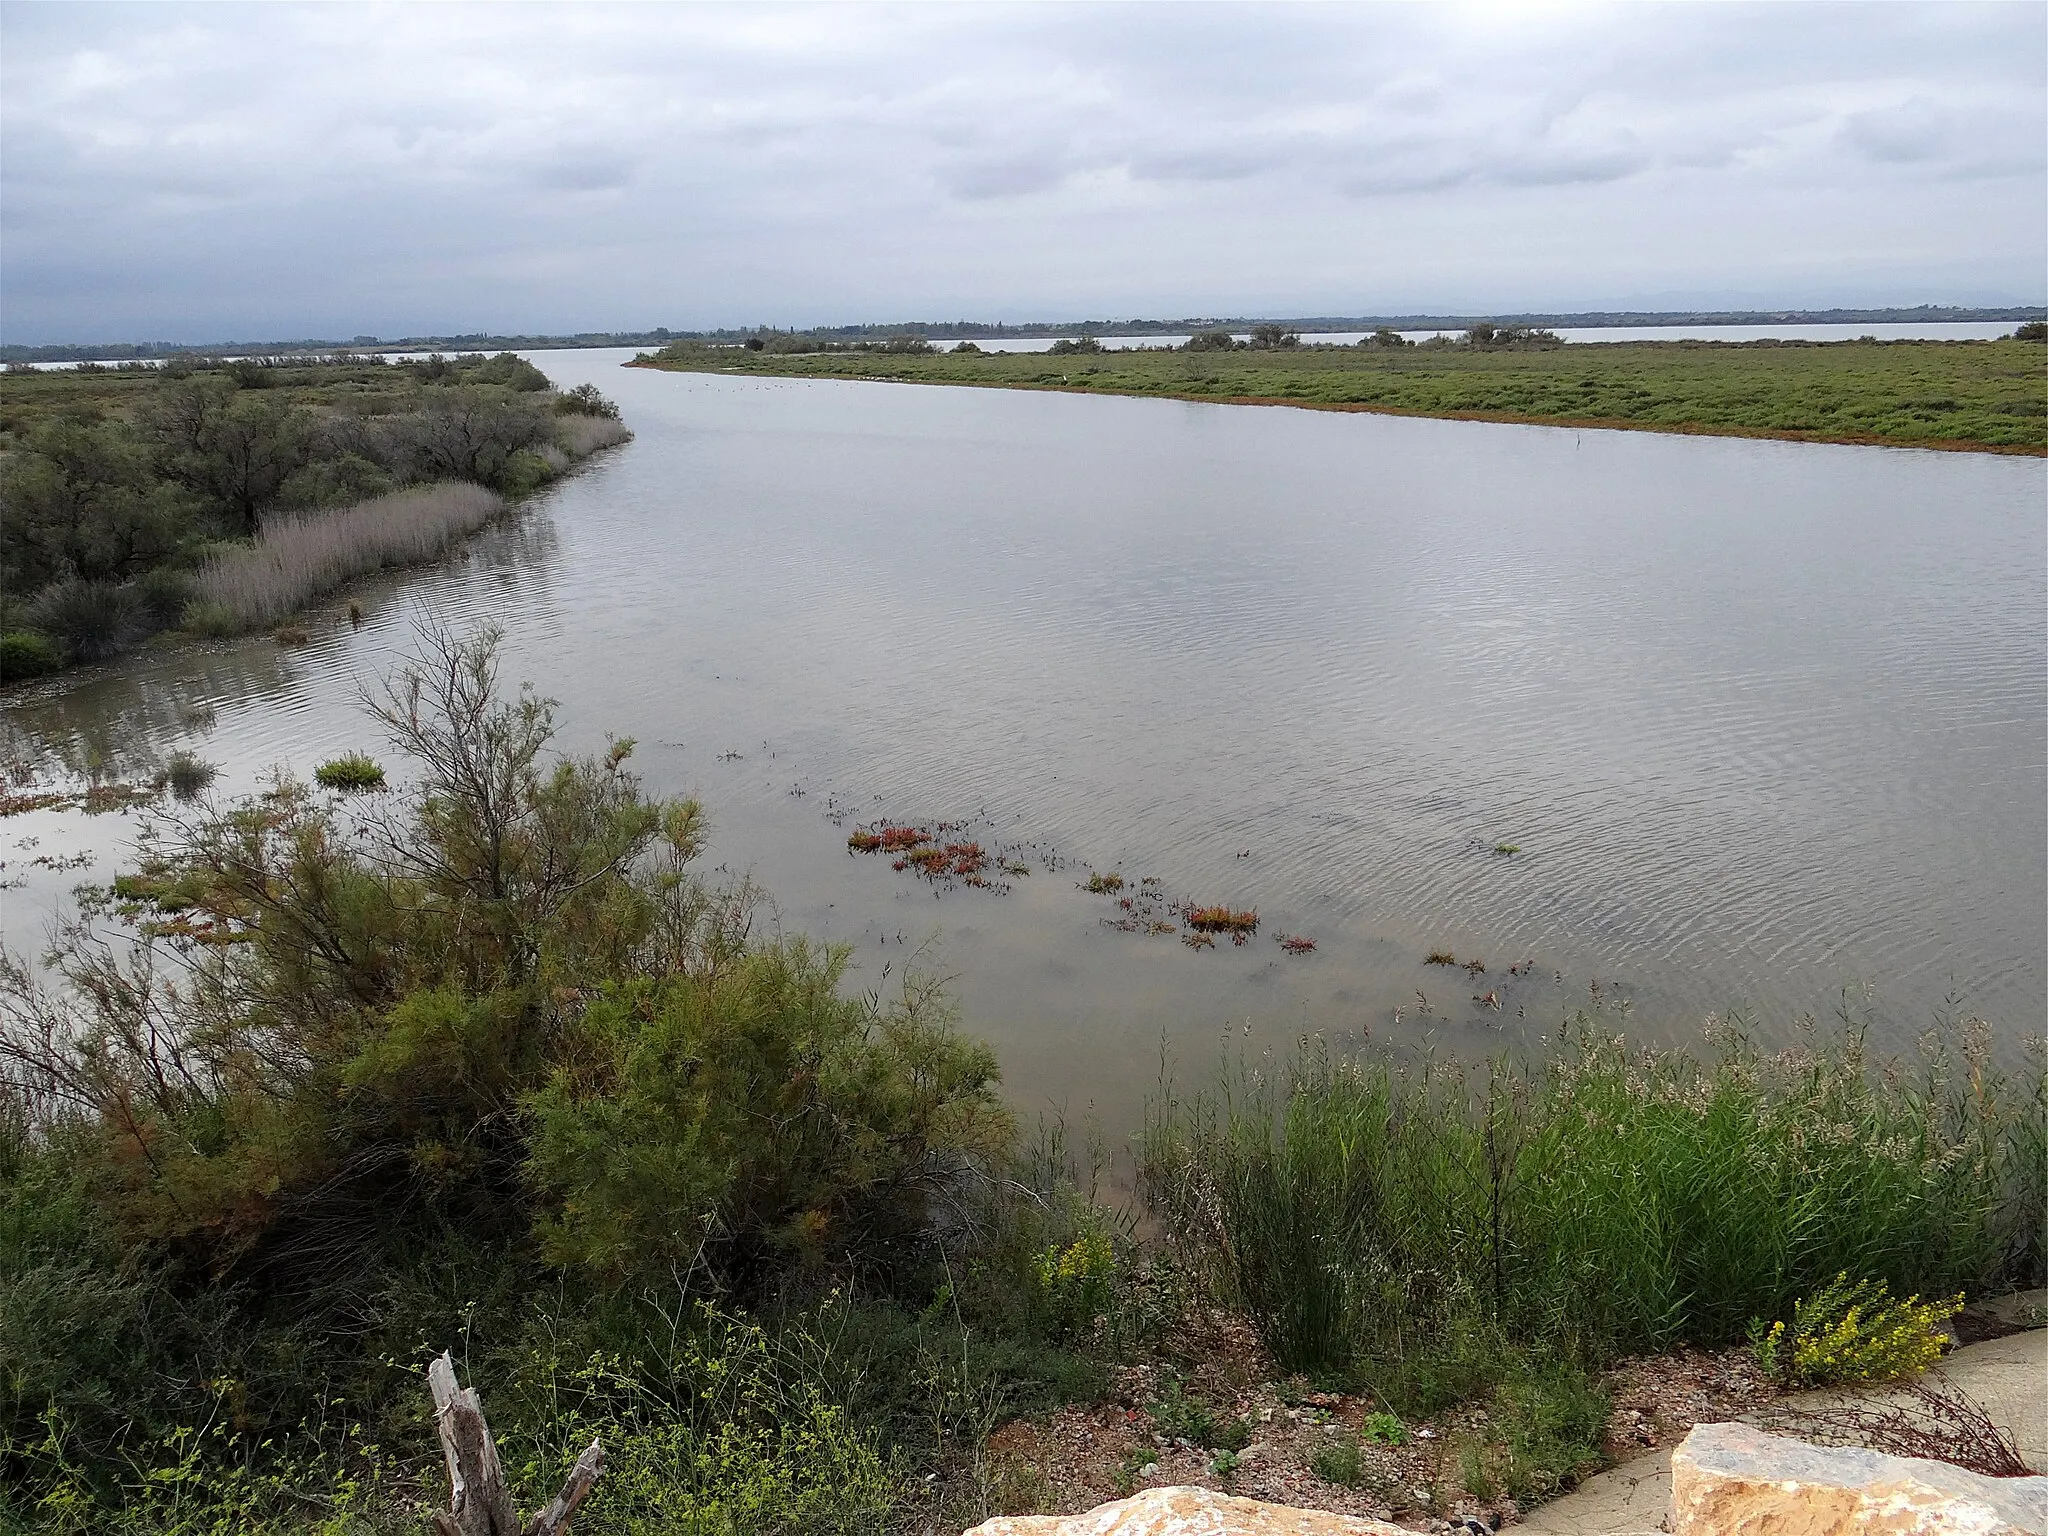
1602 1199
584 435
297 558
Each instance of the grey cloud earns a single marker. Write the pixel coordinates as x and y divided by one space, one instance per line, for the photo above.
1913 130
183 169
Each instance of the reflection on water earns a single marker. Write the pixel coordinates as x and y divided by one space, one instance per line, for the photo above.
1765 720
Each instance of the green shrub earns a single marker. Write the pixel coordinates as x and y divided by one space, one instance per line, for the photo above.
1181 1417
723 1438
584 400
24 653
164 593
1850 1333
755 1114
91 620
350 773
490 1066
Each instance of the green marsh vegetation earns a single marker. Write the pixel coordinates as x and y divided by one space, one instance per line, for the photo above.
1989 395
220 497
1444 1232
482 1063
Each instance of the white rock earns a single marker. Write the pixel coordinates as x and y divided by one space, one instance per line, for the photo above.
1187 1512
1736 1480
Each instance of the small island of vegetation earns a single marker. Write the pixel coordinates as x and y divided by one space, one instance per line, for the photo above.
1982 396
216 497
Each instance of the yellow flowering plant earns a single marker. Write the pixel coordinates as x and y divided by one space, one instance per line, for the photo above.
1847 1334
1074 1281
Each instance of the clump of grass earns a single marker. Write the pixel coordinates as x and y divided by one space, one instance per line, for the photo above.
1507 850
1342 1464
296 558
1440 957
1104 885
350 773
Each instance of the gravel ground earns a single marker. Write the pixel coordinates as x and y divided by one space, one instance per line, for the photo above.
1082 1456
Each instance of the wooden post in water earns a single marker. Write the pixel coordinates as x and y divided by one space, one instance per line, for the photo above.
479 1503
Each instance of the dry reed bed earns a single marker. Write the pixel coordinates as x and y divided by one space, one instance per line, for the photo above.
295 559
584 435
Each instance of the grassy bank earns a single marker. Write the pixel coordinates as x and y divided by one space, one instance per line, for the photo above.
1598 1202
485 1065
219 496
1981 396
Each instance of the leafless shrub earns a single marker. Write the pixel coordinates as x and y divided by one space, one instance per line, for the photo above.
295 559
466 434
584 435
1932 1419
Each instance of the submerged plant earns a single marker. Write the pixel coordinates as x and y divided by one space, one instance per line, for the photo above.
1222 920
187 774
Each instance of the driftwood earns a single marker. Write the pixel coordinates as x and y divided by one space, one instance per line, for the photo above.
479 1503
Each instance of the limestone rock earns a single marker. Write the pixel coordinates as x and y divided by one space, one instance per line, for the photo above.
1187 1512
1736 1480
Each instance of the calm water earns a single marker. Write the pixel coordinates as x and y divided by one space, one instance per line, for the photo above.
1765 719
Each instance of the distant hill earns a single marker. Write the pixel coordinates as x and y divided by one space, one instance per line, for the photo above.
963 330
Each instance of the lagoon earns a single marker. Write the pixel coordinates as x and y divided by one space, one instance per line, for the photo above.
1765 720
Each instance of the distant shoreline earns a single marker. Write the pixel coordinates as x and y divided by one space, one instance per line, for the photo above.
1949 397
970 330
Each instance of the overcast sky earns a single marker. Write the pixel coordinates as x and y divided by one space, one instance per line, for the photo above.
266 171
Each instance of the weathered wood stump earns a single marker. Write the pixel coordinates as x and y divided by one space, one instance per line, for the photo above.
479 1503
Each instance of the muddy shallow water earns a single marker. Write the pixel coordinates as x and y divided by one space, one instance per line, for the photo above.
1765 720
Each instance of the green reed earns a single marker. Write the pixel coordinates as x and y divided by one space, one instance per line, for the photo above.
1601 1200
